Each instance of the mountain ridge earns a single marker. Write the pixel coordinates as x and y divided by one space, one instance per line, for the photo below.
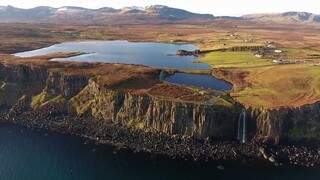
46 12
133 14
289 17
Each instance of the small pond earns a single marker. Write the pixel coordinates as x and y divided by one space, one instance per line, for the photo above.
199 80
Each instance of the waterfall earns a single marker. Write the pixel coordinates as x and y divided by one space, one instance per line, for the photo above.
161 76
239 128
242 127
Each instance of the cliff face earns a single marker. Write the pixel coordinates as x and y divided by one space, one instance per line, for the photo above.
144 111
22 73
42 87
17 81
287 123
67 85
60 95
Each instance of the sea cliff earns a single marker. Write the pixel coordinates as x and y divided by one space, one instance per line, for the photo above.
125 114
87 96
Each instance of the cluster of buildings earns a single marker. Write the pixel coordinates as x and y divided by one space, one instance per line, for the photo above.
270 48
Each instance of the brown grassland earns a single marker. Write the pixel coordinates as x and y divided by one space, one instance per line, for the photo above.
258 82
136 79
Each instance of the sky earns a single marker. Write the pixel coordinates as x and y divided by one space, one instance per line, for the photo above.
215 7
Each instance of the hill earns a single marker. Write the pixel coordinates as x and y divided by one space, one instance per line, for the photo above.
287 17
71 13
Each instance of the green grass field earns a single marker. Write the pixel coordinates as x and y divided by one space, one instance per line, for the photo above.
233 59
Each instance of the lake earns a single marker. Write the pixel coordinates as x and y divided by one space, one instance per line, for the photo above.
145 53
38 155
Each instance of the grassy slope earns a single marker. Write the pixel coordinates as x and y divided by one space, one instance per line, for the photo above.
305 55
281 86
269 85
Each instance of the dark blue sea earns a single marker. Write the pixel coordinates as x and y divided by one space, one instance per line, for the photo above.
42 155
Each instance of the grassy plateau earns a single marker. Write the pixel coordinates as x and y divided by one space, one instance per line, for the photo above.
258 82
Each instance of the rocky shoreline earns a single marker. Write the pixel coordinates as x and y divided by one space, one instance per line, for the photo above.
174 146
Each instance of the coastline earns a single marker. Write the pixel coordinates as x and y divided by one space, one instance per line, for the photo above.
174 146
122 136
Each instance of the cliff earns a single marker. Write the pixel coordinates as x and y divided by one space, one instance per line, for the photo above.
291 124
136 99
18 81
279 119
50 92
147 112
